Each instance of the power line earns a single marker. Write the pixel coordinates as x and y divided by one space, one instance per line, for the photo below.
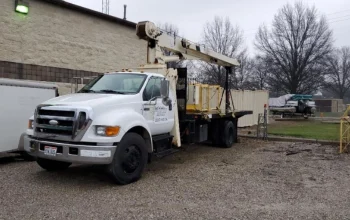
248 31
337 12
330 19
256 29
339 20
250 34
333 20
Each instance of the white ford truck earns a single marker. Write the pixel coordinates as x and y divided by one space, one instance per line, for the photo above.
120 119
110 121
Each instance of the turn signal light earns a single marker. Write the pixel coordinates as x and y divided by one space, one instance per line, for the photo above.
30 124
107 130
112 131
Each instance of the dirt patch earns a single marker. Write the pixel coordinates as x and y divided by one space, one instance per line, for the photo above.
252 180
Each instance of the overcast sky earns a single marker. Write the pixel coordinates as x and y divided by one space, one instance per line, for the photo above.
191 15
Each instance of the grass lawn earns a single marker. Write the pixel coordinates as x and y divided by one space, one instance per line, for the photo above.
305 129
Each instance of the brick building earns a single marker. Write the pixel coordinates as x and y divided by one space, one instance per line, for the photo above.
57 40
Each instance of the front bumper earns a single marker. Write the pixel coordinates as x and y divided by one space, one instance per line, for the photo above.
73 153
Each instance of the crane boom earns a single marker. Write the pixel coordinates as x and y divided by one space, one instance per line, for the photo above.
184 49
158 41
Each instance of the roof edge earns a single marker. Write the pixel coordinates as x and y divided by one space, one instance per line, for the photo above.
88 11
27 83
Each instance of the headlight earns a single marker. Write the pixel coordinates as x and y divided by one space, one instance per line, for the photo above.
107 130
31 124
81 120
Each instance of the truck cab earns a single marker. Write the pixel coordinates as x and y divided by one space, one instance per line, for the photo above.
110 121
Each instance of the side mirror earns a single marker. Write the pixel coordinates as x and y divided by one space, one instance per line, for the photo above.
166 101
164 88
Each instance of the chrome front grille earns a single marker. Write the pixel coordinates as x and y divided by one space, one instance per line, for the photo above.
61 123
55 122
56 113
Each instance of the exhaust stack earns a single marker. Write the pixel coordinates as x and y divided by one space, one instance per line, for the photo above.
124 12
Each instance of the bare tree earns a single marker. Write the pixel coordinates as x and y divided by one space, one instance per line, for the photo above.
338 72
223 37
260 73
243 76
295 48
170 29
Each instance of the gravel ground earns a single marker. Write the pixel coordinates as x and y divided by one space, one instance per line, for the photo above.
253 180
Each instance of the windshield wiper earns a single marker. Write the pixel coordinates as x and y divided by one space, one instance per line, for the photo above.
87 91
110 91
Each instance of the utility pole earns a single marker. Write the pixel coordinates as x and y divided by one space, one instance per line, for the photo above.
105 6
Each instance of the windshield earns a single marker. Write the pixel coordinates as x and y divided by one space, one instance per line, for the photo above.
120 83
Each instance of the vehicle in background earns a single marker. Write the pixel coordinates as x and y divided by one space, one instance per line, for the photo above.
293 105
18 100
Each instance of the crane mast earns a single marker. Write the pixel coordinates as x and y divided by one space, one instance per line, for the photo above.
184 49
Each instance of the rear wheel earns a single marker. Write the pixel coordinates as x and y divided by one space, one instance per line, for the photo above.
52 165
229 134
129 160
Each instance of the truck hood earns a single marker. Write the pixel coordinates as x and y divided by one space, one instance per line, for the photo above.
91 99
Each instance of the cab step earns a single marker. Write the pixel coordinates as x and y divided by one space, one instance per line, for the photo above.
165 153
162 145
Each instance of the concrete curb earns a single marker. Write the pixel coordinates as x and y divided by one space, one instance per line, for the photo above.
310 118
290 119
291 139
330 122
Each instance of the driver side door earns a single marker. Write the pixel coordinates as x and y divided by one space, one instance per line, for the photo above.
154 110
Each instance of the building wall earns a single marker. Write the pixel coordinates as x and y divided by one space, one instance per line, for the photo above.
323 105
329 105
57 37
338 105
34 72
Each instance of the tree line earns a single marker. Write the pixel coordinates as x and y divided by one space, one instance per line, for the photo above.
294 55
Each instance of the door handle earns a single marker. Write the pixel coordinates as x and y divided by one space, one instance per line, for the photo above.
170 106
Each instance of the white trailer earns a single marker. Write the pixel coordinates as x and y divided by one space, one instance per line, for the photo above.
18 100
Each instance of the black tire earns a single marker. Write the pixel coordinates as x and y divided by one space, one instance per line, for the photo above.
229 134
215 131
130 159
52 165
149 159
27 157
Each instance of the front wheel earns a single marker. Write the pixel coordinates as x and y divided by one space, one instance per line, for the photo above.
27 157
52 165
130 159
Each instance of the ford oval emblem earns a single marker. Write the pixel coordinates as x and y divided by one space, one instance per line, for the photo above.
53 122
